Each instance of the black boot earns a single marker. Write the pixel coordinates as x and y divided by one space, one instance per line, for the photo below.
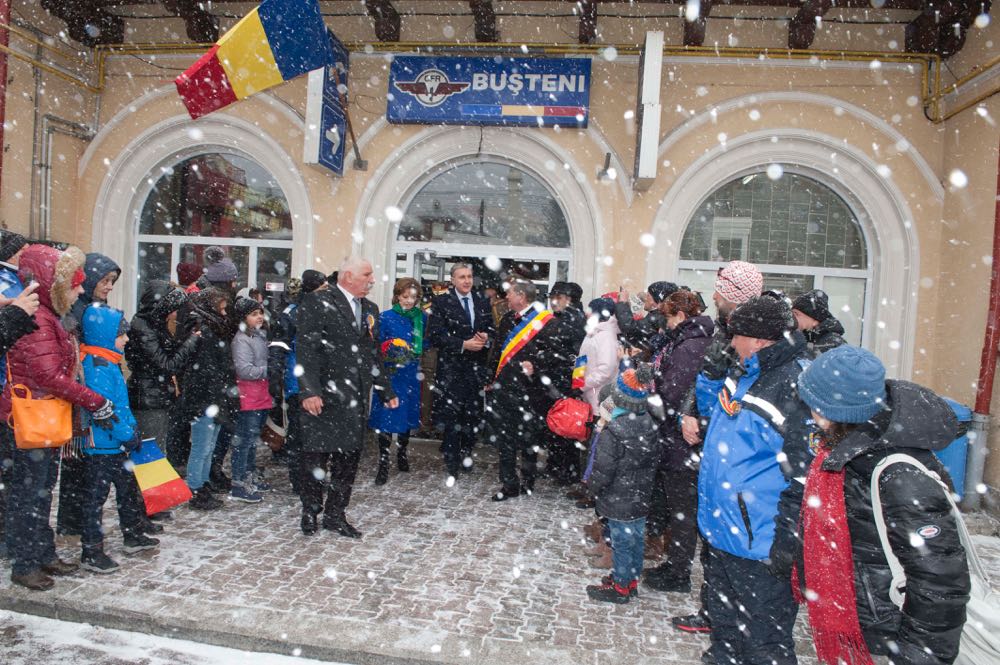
219 481
203 500
382 476
402 461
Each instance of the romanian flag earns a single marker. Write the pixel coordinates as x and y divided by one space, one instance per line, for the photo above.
522 334
579 370
276 42
161 487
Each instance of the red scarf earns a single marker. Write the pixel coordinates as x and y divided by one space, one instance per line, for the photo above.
829 569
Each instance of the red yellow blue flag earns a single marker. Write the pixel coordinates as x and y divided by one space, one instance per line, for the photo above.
276 42
161 487
579 372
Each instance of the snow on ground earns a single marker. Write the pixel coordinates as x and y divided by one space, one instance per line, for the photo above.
31 640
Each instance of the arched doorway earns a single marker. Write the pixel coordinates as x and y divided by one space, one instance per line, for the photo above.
494 215
216 198
799 232
525 160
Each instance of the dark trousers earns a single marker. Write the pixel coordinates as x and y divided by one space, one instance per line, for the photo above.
178 440
752 612
338 469
7 448
519 437
680 491
293 441
72 492
222 446
385 443
460 433
31 539
101 472
563 460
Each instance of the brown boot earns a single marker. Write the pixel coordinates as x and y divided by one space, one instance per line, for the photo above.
654 548
36 580
603 560
594 531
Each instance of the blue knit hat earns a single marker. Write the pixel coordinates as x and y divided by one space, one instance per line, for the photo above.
845 385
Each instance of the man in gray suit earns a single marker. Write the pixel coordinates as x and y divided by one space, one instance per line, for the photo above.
337 349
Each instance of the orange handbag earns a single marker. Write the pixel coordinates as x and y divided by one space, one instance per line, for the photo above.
39 423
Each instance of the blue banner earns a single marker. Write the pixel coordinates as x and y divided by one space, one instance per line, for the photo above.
535 92
326 122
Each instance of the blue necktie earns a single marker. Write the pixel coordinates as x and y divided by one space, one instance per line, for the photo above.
468 310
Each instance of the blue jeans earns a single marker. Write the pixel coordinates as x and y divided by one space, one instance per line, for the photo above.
628 540
204 432
31 539
248 424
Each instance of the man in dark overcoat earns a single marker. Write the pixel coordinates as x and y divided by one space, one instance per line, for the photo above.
569 331
338 352
460 328
519 394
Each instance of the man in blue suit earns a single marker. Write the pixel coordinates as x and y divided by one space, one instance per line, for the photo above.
460 327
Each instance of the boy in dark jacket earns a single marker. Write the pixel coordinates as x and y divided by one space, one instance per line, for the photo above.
104 332
622 482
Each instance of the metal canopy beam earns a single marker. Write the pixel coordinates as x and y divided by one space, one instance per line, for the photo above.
694 31
485 21
201 26
386 19
802 28
588 21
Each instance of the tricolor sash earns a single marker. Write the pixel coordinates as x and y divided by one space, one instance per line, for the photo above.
523 333
579 371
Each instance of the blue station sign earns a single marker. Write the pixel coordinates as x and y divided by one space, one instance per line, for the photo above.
535 92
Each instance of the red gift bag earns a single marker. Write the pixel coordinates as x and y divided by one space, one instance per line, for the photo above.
570 418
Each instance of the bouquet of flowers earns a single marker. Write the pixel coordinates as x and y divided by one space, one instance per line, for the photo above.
396 353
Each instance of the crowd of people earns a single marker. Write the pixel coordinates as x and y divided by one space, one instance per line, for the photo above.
751 437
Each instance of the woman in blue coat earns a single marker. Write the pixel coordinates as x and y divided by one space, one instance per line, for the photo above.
401 342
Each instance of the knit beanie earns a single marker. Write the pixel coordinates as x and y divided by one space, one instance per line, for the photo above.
632 388
602 308
762 317
312 280
244 306
123 326
294 287
739 281
10 244
814 304
188 273
845 385
660 291
218 266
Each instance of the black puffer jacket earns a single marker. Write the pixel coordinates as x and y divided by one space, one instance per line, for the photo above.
210 378
827 335
568 330
927 630
155 356
625 466
640 333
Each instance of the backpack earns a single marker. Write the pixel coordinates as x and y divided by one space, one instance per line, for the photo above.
980 642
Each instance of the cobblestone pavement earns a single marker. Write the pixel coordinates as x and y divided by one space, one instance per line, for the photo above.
442 574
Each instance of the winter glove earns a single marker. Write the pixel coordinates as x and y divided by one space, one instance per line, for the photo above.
784 551
105 417
133 444
718 361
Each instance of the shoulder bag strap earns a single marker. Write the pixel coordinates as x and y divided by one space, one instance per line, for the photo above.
976 567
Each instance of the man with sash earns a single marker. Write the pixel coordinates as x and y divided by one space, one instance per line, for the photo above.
518 397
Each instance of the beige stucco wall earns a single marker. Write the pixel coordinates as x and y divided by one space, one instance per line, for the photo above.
953 234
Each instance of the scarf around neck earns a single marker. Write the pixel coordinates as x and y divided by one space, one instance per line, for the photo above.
829 569
112 357
416 317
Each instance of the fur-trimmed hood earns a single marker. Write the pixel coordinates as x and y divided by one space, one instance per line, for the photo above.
53 270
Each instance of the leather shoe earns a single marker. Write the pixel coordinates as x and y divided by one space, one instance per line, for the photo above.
36 580
506 493
308 524
59 568
343 528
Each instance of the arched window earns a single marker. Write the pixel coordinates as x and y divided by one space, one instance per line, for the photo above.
217 198
496 216
799 232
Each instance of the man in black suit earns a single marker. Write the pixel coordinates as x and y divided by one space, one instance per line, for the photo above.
337 347
460 328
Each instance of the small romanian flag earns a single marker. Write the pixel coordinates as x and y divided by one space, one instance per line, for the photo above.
276 42
579 371
161 487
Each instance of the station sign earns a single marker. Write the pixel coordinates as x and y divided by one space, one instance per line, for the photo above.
326 122
521 92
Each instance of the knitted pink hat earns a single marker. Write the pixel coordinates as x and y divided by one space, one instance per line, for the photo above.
739 281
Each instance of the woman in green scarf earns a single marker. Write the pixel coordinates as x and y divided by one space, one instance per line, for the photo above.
401 341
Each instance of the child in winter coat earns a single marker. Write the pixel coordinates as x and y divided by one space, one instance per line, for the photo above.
250 360
104 332
622 482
